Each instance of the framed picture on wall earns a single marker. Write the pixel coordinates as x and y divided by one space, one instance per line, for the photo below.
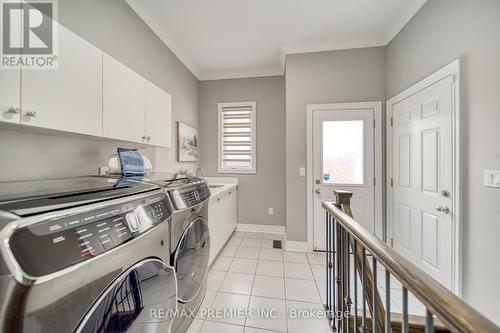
187 143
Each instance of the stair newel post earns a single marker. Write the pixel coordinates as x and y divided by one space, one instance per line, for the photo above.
343 202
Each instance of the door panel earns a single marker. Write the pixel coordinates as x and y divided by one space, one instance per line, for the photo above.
129 304
343 159
158 116
191 259
124 116
422 169
68 98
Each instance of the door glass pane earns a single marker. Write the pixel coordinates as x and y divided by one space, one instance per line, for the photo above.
343 152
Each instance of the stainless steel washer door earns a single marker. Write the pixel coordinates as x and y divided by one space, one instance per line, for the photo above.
142 299
191 259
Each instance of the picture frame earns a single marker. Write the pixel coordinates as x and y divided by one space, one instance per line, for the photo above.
187 143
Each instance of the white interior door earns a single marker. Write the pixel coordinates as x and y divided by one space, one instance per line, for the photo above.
343 159
423 173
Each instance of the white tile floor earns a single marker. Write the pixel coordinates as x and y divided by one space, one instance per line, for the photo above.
250 274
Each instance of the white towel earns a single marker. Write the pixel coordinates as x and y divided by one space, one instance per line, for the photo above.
115 167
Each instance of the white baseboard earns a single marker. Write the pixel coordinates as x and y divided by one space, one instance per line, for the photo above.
271 229
296 246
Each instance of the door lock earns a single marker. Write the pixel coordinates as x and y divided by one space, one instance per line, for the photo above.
443 209
317 181
445 194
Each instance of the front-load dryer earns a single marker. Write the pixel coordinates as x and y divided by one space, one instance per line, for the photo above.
190 241
87 254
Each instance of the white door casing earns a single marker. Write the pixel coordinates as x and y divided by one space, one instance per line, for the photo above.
363 119
424 176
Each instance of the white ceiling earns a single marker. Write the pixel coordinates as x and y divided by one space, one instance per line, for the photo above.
243 38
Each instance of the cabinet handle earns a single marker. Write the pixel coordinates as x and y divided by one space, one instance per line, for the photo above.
143 138
31 114
148 138
13 110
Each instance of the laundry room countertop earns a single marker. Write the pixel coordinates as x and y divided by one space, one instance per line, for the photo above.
221 185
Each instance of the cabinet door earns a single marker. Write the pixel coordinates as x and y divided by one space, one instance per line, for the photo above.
158 116
10 90
10 98
68 98
123 102
213 227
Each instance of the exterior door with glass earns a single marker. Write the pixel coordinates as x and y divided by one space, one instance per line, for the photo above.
343 159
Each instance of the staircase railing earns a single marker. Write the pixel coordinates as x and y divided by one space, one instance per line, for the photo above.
346 239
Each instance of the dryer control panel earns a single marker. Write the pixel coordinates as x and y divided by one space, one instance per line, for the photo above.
56 243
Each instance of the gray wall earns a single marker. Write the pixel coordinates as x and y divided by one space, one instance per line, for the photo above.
114 27
323 77
267 188
442 31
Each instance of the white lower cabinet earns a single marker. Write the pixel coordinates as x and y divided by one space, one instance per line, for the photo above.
222 220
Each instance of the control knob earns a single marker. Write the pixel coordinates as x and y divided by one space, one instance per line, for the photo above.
132 221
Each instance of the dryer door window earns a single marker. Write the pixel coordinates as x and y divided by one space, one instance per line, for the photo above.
143 299
191 259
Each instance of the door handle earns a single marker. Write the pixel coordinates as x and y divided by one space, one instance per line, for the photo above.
443 209
317 191
13 110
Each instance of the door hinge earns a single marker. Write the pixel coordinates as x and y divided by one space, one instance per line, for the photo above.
392 242
392 121
392 182
374 181
374 122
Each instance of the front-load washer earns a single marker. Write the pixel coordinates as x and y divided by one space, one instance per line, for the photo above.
85 254
190 241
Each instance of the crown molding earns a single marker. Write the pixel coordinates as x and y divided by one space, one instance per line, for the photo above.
285 50
257 72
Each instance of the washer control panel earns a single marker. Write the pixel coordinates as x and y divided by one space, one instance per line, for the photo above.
56 243
190 194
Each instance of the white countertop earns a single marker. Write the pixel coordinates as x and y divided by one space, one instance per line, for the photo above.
221 185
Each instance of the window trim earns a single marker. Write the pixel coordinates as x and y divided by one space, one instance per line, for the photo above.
220 168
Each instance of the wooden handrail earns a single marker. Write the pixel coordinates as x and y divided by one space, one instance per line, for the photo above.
457 315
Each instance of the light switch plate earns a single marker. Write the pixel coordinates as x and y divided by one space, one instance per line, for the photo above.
492 178
302 172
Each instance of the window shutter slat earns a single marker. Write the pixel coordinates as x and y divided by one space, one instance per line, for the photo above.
237 135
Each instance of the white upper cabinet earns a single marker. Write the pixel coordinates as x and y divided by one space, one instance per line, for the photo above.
158 116
68 98
10 96
124 116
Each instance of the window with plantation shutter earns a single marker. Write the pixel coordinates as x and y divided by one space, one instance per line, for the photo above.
237 137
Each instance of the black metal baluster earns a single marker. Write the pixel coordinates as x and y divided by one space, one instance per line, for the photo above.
332 280
355 285
327 269
374 296
429 322
387 301
405 325
348 279
364 329
339 277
